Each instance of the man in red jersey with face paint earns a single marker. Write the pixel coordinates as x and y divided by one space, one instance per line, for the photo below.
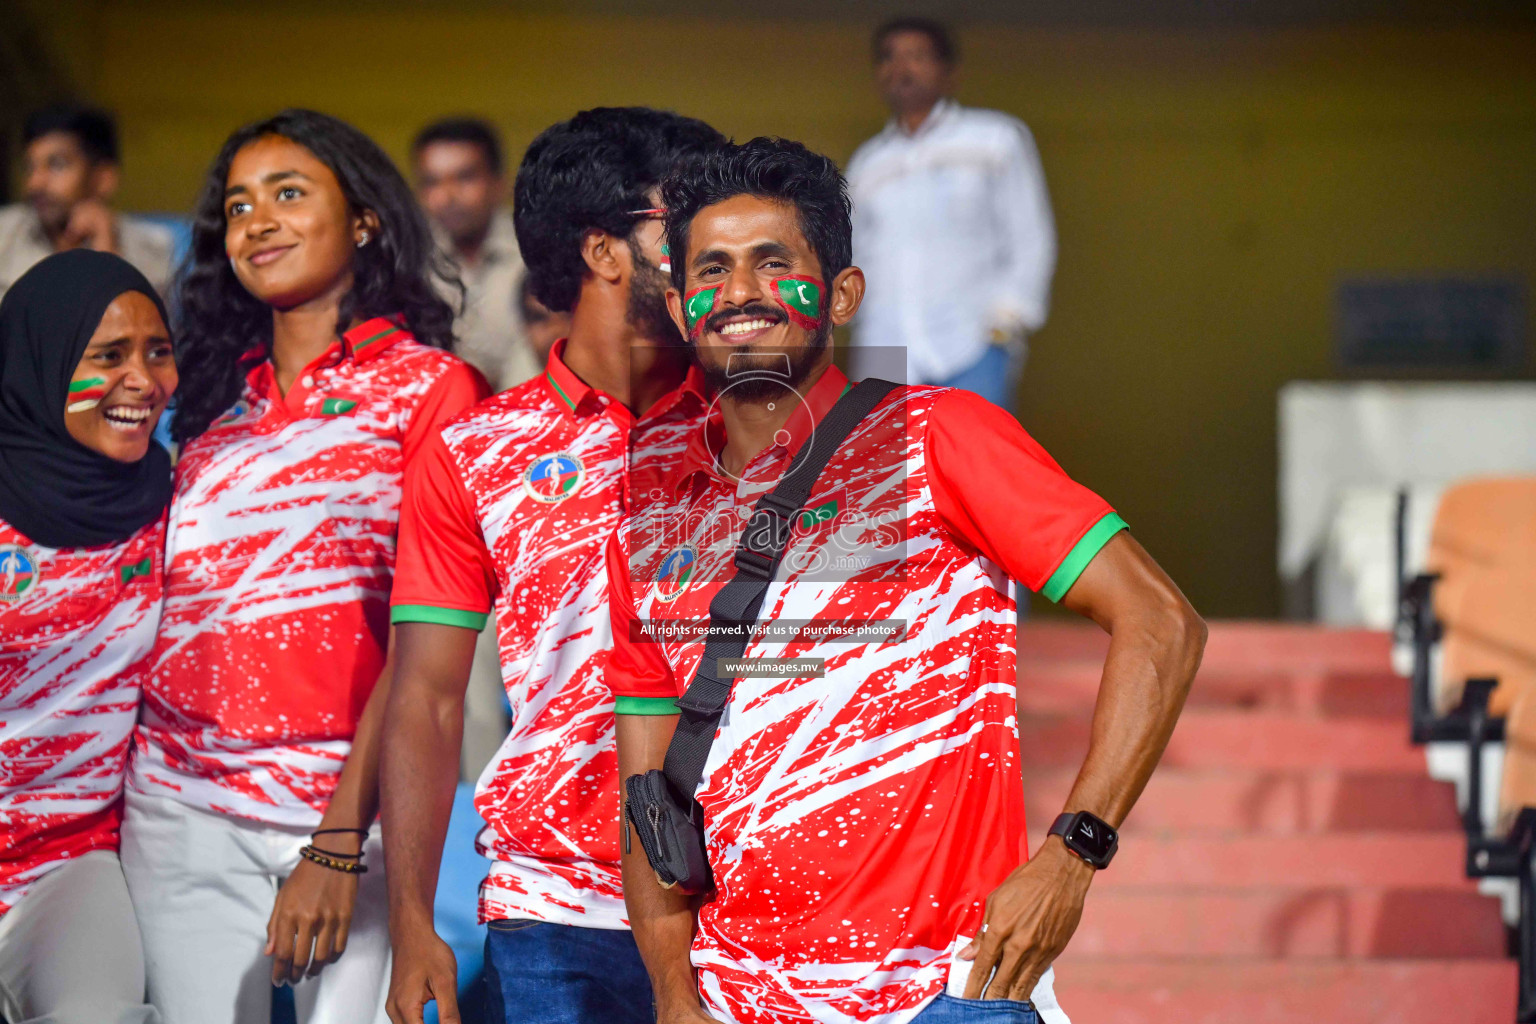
861 798
509 515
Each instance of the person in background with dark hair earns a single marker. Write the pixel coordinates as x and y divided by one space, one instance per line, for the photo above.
951 223
314 367
462 185
86 369
864 826
72 170
507 511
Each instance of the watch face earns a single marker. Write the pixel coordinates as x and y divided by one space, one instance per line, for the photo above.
1093 838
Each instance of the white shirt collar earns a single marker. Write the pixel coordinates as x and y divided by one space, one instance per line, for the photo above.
940 112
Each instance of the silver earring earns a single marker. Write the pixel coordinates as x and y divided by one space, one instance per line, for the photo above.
362 241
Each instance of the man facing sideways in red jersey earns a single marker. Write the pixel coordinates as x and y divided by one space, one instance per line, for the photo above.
509 513
866 827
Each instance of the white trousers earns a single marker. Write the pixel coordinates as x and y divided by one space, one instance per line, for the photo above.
203 886
69 951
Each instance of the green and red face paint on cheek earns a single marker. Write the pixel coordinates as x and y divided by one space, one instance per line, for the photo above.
798 295
697 305
86 393
801 298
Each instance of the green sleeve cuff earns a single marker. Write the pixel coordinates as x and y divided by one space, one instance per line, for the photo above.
644 706
438 616
1081 554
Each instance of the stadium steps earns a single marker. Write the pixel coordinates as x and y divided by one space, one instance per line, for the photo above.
1290 862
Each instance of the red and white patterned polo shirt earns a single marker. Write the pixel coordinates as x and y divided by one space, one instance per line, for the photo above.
511 508
857 821
75 624
279 555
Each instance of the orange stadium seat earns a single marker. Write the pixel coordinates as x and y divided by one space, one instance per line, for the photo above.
1484 549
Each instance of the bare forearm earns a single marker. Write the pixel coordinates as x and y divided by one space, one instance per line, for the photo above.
355 803
1155 644
419 778
663 920
1153 655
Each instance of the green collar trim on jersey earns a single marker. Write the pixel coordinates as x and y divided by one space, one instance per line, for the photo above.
386 332
644 706
1081 554
559 390
438 616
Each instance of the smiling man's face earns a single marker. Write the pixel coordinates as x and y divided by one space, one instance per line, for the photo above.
755 302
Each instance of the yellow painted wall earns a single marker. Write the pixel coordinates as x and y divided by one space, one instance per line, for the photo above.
1211 187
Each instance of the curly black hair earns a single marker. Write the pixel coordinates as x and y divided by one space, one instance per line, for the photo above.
593 171
776 169
220 322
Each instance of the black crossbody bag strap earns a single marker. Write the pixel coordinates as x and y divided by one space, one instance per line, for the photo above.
734 611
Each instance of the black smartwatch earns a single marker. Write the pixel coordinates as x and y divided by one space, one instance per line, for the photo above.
1088 836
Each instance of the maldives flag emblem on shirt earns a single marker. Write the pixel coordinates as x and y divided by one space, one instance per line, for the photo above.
675 573
553 478
822 513
18 573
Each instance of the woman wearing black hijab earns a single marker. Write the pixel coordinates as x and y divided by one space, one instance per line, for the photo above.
86 369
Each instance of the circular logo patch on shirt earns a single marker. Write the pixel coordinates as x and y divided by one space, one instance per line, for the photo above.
18 573
234 412
675 573
553 478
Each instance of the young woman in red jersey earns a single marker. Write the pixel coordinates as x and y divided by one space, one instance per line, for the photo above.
314 365
86 369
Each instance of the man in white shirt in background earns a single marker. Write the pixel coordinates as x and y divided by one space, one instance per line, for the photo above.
952 225
463 189
71 172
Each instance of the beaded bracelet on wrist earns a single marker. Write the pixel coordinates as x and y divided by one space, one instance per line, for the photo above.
326 860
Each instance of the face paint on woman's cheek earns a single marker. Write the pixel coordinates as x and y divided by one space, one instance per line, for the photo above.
697 305
86 394
666 259
801 298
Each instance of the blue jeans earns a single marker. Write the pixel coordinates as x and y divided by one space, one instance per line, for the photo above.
995 376
537 973
948 1009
